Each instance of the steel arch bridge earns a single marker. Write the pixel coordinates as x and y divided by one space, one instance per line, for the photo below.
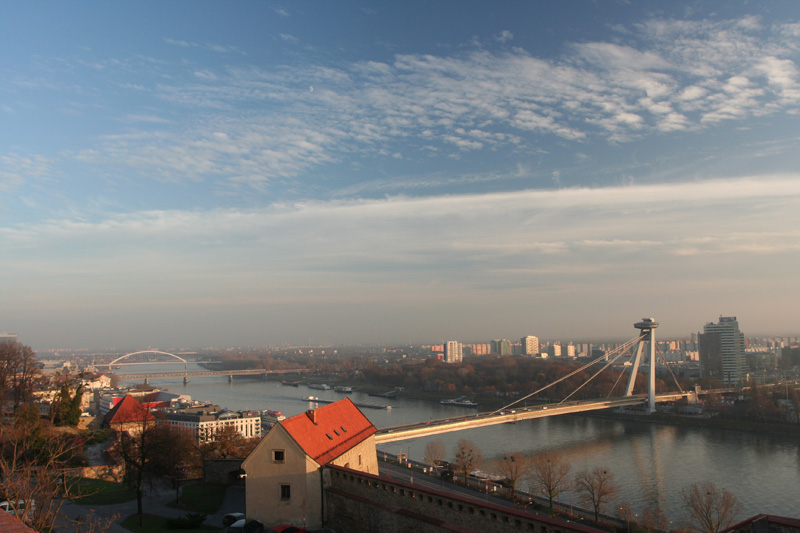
118 359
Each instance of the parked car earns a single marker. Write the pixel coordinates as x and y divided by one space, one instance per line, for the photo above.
287 529
230 518
243 526
18 507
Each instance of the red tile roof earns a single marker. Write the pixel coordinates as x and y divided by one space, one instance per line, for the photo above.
329 431
11 524
127 411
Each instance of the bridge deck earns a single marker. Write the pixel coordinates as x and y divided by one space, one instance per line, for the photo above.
207 373
434 427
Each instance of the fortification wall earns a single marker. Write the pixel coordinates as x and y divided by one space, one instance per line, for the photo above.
362 502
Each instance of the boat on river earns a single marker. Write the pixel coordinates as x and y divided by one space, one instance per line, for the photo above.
342 388
314 399
461 401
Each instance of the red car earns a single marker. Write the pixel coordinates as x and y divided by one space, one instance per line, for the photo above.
287 529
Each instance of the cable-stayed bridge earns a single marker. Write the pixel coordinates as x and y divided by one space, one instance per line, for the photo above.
510 413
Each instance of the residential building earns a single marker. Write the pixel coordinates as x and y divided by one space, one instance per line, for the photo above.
554 350
722 349
481 349
530 345
284 472
8 338
501 347
453 352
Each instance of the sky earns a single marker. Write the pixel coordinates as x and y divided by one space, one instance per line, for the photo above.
188 174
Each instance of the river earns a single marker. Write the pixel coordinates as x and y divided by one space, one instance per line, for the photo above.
651 463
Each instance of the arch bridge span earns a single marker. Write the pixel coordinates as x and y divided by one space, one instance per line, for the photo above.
118 359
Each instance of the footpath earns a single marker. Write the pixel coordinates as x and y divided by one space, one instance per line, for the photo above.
154 502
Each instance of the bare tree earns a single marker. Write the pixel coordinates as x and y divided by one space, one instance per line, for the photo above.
468 457
597 487
151 454
712 509
435 452
550 472
514 466
625 513
655 520
34 465
18 372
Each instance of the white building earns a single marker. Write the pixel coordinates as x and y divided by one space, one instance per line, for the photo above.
530 345
453 352
205 424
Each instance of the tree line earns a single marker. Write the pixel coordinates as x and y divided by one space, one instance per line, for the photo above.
710 508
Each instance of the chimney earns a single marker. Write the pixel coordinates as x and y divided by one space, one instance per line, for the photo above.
312 414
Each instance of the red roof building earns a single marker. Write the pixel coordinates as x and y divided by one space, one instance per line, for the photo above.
284 472
128 415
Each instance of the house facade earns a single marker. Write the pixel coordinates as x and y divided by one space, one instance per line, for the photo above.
284 473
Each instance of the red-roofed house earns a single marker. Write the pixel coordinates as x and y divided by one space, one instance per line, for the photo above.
128 415
284 472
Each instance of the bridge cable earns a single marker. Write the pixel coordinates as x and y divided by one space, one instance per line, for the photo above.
608 364
664 360
623 348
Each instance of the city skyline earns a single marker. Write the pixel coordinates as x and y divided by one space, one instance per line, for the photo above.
194 174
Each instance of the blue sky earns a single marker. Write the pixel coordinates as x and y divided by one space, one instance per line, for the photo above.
207 173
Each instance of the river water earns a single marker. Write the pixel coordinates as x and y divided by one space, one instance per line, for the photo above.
651 463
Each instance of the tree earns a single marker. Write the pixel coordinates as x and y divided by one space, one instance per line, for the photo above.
625 513
435 452
228 443
712 509
18 373
597 487
34 461
66 408
549 472
152 453
468 457
514 466
655 520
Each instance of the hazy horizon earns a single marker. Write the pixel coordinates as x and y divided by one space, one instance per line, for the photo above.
195 174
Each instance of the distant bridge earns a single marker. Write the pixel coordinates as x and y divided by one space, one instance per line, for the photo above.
208 373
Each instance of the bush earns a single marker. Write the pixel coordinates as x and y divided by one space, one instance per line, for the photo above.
187 521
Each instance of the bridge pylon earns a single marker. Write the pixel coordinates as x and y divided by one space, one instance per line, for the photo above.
647 327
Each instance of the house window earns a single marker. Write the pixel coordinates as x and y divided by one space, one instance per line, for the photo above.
286 492
278 456
359 459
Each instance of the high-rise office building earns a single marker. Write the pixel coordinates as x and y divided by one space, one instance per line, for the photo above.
530 345
8 337
721 348
453 352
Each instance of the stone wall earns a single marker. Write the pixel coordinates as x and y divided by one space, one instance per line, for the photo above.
358 502
223 471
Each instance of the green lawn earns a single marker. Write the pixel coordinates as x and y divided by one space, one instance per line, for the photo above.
201 498
156 524
96 492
